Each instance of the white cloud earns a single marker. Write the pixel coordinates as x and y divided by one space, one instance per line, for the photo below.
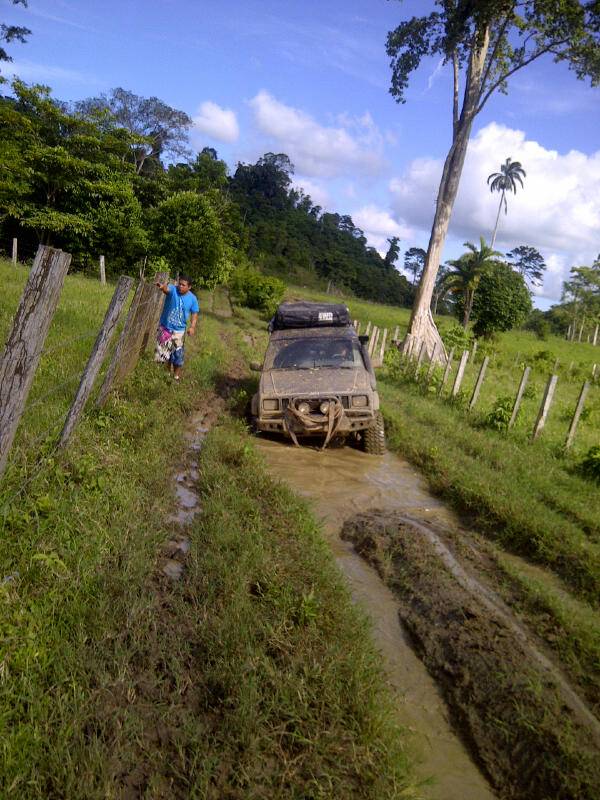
318 194
558 211
216 122
354 144
379 225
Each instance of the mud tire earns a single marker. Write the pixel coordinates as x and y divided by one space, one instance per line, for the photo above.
374 437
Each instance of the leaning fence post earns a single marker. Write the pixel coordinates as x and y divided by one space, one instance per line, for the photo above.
368 330
382 349
373 341
578 409
519 397
432 361
14 251
120 349
479 382
595 339
474 353
25 342
460 373
447 370
396 332
90 373
358 328
422 352
155 302
102 271
545 406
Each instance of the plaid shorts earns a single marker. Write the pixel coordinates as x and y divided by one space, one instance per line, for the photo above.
169 347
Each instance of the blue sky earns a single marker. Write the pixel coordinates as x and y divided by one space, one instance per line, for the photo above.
311 79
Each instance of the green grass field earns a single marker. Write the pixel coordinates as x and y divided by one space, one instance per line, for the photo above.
252 677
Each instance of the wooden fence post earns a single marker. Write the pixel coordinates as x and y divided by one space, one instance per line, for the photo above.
368 330
473 354
519 397
25 342
422 353
396 331
355 324
14 251
479 382
382 348
120 349
447 370
556 363
155 306
594 368
545 407
432 362
595 339
373 340
358 329
460 373
90 373
102 271
578 409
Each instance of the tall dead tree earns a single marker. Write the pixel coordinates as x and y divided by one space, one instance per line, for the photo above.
486 42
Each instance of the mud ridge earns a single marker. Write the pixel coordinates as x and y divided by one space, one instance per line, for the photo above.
527 727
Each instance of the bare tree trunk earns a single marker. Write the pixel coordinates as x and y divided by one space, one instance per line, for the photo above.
497 220
422 327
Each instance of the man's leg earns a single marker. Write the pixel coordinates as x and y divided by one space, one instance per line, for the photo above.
177 361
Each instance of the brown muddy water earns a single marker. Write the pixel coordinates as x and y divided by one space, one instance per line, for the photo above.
341 483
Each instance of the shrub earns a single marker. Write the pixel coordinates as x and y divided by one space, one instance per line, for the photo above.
252 289
499 417
502 301
589 466
538 323
458 337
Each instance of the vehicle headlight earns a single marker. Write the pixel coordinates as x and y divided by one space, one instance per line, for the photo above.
303 407
324 407
360 400
270 405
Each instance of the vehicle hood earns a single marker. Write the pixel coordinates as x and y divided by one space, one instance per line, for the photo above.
314 382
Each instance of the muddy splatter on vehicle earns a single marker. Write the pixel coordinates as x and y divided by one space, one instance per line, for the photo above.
317 379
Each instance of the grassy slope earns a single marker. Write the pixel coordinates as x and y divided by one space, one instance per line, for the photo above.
254 677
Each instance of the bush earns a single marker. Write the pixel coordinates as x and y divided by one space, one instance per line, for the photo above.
459 338
589 467
502 301
252 289
538 323
499 417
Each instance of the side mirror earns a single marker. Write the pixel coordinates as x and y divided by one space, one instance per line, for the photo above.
363 339
256 366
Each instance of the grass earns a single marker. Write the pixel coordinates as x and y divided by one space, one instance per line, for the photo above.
253 677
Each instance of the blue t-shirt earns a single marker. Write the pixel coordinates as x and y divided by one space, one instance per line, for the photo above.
177 309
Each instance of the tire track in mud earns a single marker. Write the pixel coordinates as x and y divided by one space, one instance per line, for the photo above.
467 636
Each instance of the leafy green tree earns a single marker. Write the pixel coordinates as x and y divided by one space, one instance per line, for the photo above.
11 33
414 261
502 301
582 296
529 262
206 172
68 182
511 173
187 232
466 273
486 42
393 252
157 130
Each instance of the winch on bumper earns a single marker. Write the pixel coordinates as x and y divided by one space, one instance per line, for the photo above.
310 416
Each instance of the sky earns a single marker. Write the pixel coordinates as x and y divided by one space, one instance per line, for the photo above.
311 79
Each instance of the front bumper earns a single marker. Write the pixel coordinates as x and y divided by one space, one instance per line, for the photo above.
351 419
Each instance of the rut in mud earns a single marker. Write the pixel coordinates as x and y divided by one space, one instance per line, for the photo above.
523 723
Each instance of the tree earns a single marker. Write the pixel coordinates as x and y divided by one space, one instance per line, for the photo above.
393 252
487 41
511 173
502 301
465 275
158 129
529 262
414 261
187 232
582 294
11 33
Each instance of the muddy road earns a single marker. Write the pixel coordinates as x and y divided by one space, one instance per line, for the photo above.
490 713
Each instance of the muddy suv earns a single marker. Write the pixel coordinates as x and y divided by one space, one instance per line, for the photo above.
317 378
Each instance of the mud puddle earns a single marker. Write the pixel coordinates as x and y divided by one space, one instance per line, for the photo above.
341 483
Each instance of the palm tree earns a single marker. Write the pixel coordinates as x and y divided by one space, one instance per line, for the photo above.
504 181
466 273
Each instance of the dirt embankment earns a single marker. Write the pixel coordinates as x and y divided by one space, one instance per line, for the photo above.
526 726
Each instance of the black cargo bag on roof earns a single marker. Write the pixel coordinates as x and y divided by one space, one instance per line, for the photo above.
310 315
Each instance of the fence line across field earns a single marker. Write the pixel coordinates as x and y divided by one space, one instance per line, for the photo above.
26 342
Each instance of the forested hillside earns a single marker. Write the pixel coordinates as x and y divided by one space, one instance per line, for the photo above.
113 175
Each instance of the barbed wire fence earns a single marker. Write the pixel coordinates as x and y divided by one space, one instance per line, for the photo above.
49 385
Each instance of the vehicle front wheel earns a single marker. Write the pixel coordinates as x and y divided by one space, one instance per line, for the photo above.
374 437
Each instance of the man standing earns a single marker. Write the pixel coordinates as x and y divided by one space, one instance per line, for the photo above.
181 305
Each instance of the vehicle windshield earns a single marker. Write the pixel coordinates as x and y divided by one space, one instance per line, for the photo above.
312 353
